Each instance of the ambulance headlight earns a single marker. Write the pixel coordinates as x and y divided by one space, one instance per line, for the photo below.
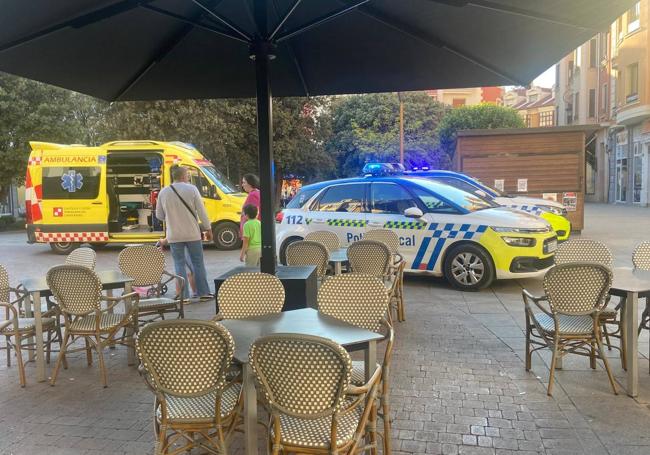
552 209
519 241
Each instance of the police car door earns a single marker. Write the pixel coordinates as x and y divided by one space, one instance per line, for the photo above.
387 203
340 209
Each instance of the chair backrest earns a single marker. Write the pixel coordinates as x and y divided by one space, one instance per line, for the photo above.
144 263
301 375
385 236
82 256
4 284
307 252
250 294
355 298
327 238
641 256
577 287
77 289
370 257
185 357
583 250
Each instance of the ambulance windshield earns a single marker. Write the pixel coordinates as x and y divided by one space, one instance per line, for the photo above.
220 180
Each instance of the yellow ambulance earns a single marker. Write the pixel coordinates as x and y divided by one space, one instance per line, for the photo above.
77 194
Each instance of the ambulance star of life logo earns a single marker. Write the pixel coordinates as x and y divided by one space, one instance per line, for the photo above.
57 211
72 181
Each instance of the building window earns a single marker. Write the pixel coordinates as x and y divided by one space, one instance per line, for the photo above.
528 120
593 53
633 15
592 103
457 102
533 98
547 118
576 107
621 180
632 83
619 28
604 107
570 70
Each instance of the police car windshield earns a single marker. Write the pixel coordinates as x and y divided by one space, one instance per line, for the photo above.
464 186
220 180
301 198
463 199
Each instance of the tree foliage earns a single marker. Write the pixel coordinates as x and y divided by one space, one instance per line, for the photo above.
366 128
482 116
31 111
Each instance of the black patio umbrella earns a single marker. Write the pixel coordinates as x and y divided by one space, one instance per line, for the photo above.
176 49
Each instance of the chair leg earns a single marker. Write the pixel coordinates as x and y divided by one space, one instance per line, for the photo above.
528 353
59 359
592 355
48 348
100 356
8 345
387 424
606 333
609 372
549 392
19 357
89 354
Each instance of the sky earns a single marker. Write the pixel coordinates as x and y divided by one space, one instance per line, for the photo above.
546 79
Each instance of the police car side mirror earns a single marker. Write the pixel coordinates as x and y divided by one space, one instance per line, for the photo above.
413 212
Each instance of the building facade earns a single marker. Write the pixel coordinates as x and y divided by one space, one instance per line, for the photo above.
536 105
468 96
605 81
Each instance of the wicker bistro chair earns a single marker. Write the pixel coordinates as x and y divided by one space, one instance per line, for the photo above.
313 409
375 258
146 265
193 396
370 302
566 318
78 292
250 294
18 330
586 250
641 261
82 256
328 238
309 252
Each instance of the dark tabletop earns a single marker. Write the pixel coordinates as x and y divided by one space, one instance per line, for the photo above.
340 255
283 272
305 322
111 279
630 280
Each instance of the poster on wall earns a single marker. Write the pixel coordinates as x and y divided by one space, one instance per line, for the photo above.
549 196
522 185
499 184
570 201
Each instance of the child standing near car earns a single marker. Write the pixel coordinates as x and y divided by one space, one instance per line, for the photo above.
251 249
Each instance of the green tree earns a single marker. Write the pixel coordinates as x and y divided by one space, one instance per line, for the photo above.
366 128
482 116
32 111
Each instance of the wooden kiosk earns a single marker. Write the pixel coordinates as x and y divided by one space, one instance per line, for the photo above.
538 162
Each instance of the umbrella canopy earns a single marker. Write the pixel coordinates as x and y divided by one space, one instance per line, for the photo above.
176 49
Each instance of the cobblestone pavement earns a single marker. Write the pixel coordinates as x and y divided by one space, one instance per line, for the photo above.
458 380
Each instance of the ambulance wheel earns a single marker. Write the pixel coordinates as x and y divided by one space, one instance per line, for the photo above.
63 247
226 236
468 267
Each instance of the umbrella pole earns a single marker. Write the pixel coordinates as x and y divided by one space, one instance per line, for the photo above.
263 53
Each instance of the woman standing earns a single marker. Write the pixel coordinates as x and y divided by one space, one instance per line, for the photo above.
250 183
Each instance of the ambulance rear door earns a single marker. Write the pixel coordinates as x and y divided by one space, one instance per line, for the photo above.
74 200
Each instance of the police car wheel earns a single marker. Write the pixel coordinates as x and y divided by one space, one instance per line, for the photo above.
283 249
468 268
226 236
63 247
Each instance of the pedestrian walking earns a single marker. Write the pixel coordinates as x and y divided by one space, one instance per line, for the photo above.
179 205
250 183
251 250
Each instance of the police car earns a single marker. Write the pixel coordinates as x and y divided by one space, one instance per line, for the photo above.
551 211
443 230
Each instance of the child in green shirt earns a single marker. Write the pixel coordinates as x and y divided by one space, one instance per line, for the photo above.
251 249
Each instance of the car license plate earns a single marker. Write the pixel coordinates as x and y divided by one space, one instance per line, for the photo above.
550 247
